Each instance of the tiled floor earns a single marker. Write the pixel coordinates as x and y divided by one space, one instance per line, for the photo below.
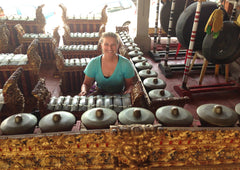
48 72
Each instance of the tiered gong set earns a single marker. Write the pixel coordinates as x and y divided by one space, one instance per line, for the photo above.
147 128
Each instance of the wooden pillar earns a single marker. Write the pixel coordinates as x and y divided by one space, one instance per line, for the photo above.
142 38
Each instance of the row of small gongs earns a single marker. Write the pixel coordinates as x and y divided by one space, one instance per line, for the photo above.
102 118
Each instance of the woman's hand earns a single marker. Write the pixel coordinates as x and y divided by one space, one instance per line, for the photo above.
128 85
129 90
82 93
87 83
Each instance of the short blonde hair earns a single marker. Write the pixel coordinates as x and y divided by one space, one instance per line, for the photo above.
109 34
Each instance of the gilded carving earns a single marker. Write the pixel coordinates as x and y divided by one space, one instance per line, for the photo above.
40 17
33 58
64 13
56 36
134 146
4 38
59 59
20 32
123 146
104 15
13 97
41 93
137 95
66 31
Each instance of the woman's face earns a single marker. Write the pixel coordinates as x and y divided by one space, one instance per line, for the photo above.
109 46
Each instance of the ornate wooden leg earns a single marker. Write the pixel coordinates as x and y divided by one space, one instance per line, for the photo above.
226 72
216 69
204 67
193 61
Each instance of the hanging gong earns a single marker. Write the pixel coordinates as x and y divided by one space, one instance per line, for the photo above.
165 14
185 23
216 115
226 47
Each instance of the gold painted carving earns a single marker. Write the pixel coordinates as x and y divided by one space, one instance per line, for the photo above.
40 17
56 37
20 32
59 59
104 15
13 97
133 146
41 93
133 143
33 58
4 37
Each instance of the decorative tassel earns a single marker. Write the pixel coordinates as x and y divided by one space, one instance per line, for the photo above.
215 23
237 22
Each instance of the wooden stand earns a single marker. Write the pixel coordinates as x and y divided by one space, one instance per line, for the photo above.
30 25
47 43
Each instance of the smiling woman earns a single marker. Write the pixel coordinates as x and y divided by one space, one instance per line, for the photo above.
112 72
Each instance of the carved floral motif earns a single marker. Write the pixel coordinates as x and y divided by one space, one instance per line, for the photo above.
133 146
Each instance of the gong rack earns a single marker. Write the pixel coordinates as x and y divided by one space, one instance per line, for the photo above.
30 25
164 55
157 55
183 90
151 104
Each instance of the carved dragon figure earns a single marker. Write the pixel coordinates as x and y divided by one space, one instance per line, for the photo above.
41 93
13 96
56 36
20 32
104 14
64 13
40 17
4 37
33 58
66 31
1 12
59 59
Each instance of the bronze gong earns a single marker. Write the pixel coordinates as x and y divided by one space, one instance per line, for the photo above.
226 47
172 115
216 115
20 123
57 121
136 115
99 118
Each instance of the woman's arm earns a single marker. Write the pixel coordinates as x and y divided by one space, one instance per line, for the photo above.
128 85
87 83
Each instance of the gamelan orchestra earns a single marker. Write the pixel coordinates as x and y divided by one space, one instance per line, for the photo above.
115 108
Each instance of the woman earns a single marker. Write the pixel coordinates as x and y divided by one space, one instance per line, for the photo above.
113 73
